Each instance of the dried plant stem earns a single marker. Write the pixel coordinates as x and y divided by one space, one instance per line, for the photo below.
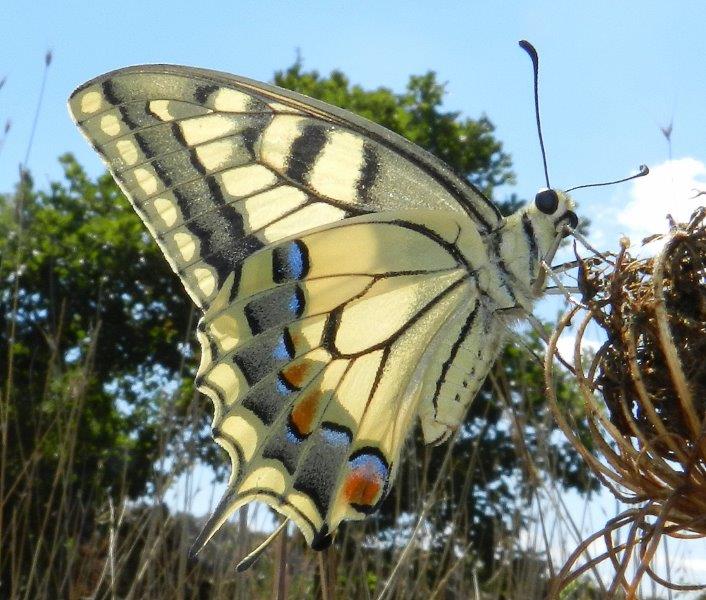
431 499
668 345
280 579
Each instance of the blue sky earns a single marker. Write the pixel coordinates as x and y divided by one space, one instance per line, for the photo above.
611 74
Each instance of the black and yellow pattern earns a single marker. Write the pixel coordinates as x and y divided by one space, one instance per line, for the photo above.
349 281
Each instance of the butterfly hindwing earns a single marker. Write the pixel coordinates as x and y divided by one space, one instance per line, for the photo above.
323 250
313 405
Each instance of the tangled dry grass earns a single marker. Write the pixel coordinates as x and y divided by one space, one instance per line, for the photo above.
644 392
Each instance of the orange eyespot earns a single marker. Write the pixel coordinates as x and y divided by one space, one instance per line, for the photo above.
362 487
367 477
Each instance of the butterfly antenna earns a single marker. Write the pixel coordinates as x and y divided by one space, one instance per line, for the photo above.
530 49
251 558
643 171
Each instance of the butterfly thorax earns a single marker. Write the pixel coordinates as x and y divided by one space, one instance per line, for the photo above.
506 263
526 241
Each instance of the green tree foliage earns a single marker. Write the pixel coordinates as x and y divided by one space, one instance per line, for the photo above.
92 321
90 286
96 327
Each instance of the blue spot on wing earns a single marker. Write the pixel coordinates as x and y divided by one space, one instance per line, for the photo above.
370 462
296 260
296 303
290 262
280 351
292 436
334 435
282 387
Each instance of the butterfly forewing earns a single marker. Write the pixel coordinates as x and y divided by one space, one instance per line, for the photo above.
218 170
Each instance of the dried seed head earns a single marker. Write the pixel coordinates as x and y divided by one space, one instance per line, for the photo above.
645 388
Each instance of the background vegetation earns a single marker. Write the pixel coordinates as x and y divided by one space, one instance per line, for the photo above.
99 416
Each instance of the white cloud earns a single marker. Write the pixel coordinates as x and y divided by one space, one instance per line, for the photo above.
565 345
668 189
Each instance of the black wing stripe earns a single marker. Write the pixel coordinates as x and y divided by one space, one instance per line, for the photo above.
224 243
282 305
531 239
368 173
318 468
304 151
462 335
202 92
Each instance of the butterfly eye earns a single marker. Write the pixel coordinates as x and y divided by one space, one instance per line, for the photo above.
547 201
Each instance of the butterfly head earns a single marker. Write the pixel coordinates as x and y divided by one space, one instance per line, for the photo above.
534 232
553 209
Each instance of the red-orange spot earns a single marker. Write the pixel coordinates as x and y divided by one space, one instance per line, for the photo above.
304 412
296 374
362 486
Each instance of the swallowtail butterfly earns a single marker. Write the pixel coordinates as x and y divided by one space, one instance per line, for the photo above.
350 283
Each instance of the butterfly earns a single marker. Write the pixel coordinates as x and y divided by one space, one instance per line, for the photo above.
351 284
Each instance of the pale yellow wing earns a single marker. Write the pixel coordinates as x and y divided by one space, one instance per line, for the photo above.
219 166
315 374
321 249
